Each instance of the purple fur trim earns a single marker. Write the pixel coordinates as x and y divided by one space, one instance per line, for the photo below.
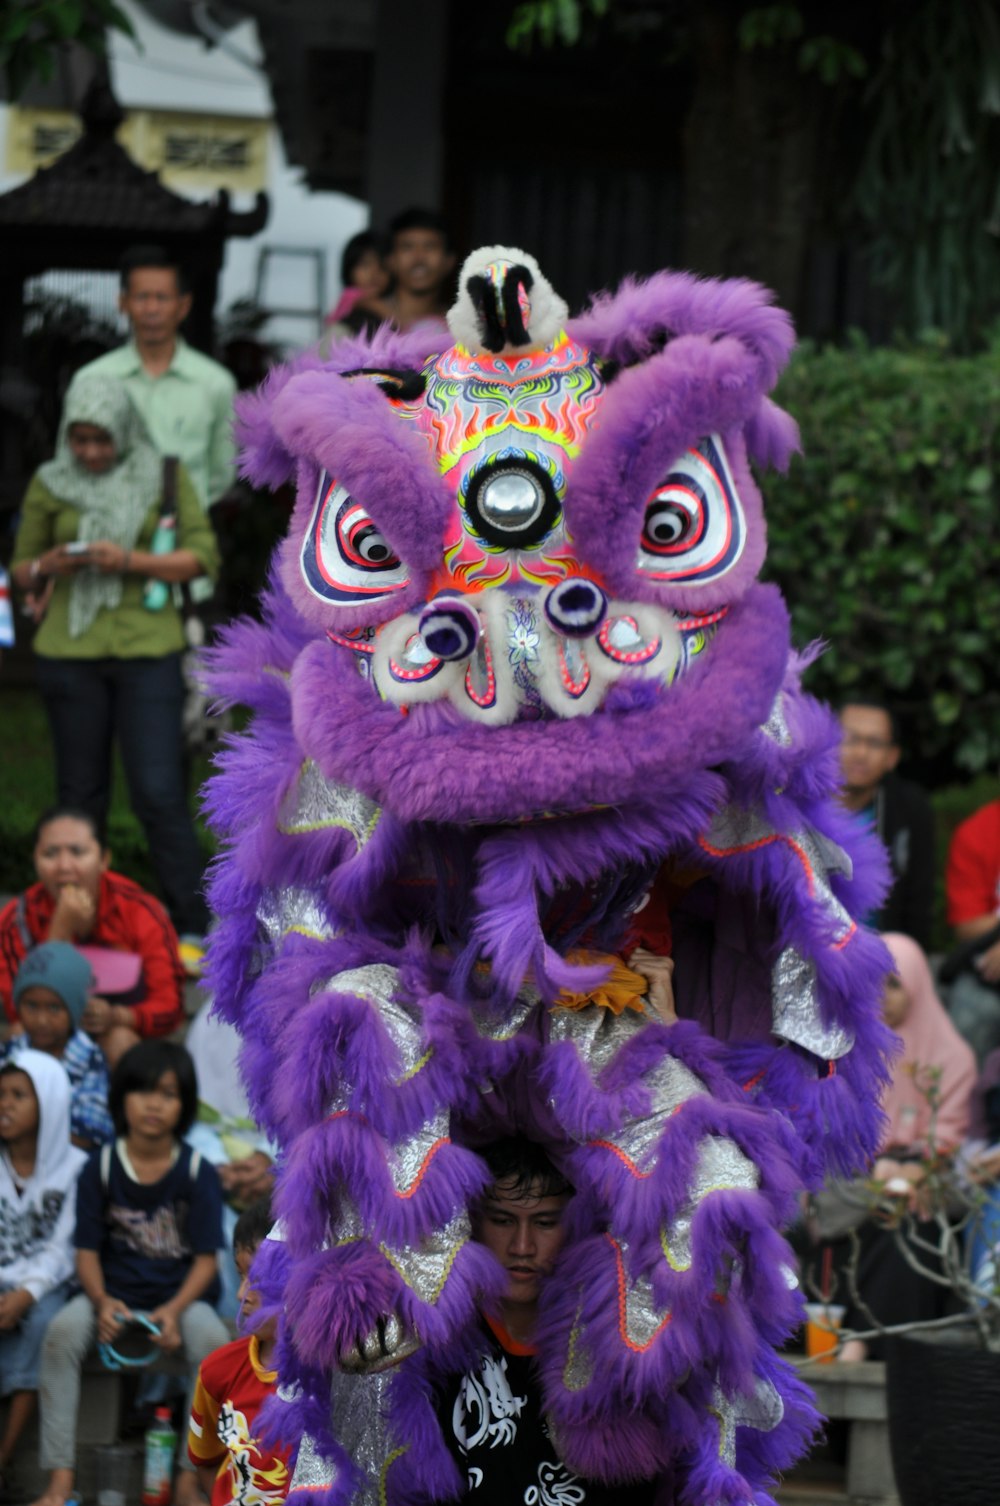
432 1474
652 414
485 774
264 459
345 1155
629 325
352 431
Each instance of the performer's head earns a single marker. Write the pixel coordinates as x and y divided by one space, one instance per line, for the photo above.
252 1228
520 1216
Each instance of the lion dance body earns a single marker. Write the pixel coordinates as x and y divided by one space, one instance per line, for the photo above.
519 701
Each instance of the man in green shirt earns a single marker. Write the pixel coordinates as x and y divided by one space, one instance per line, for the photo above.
185 398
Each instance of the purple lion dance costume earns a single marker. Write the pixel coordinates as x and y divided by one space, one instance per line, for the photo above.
515 674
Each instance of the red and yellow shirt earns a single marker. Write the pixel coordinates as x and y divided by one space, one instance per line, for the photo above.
232 1387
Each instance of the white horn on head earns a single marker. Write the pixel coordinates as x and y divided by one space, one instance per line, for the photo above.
505 302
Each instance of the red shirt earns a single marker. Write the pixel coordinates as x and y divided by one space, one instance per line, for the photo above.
128 920
972 878
232 1387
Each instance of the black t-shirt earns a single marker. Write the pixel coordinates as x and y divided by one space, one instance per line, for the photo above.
148 1233
493 1422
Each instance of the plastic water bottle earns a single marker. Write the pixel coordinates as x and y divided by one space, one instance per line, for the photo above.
158 1468
156 593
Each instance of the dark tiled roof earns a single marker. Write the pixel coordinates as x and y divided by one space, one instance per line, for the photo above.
96 186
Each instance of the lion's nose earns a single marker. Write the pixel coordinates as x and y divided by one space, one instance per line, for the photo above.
449 628
576 608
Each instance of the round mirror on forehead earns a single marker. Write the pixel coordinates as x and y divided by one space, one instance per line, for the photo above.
511 499
512 503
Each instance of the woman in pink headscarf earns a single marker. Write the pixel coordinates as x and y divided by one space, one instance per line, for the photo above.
927 1113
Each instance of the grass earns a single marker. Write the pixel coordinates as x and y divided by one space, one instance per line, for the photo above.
28 785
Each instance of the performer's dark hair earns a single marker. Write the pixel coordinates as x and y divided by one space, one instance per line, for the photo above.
524 1169
253 1225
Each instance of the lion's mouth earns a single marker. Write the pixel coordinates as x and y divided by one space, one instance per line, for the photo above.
512 663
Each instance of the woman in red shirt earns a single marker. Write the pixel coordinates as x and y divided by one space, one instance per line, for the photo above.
78 899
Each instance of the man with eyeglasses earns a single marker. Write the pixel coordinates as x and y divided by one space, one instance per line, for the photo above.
898 810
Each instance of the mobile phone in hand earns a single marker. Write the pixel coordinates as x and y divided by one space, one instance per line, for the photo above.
78 546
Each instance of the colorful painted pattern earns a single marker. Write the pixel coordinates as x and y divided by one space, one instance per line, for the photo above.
482 411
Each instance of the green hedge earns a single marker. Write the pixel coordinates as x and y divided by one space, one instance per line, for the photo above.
884 538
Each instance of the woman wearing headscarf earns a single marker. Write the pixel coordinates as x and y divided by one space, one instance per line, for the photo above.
927 1106
110 644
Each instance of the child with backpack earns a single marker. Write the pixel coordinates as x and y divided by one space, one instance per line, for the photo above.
148 1224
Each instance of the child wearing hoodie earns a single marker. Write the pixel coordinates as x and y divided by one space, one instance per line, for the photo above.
38 1173
51 989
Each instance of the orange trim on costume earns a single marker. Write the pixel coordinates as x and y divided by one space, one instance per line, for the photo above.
775 836
425 1163
800 853
444 1140
752 1082
622 1155
503 1337
837 945
622 1314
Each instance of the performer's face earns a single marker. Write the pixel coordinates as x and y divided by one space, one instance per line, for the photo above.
525 1232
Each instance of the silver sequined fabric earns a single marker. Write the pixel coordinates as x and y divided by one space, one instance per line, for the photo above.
409 1156
776 727
721 1167
503 1025
795 1008
316 804
312 1471
283 911
425 1267
404 1027
376 982
670 1085
762 1410
358 1404
597 1034
643 1317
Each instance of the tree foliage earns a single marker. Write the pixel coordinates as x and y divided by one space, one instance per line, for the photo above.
909 116
33 31
883 537
928 185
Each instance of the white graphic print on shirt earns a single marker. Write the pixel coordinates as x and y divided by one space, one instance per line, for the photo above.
486 1414
485 1407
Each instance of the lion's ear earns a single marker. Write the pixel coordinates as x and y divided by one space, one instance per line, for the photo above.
264 458
629 326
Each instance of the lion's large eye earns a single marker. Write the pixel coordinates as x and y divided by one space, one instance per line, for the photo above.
345 556
694 528
360 541
670 522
